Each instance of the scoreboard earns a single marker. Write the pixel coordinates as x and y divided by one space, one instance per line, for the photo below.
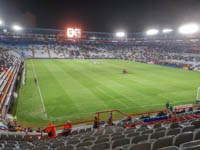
73 33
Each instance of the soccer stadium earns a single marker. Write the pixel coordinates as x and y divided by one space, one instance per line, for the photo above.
71 89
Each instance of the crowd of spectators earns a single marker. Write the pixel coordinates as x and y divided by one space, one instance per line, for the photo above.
180 55
6 59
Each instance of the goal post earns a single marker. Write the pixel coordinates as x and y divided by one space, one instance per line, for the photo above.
198 94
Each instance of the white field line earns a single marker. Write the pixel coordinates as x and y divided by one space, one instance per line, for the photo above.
89 113
41 98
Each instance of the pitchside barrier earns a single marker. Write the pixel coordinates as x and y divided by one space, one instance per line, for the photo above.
172 117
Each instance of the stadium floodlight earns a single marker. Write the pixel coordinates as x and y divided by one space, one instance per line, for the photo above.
120 34
17 28
167 30
152 32
1 22
189 28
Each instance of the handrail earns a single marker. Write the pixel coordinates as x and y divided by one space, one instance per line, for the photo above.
10 78
173 119
26 133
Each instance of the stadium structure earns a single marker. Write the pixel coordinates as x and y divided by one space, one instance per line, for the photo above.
135 91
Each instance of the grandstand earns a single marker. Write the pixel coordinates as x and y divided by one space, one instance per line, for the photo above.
49 57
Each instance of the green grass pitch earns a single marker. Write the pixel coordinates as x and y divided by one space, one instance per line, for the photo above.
75 89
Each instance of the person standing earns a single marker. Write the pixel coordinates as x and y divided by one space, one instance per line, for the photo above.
95 124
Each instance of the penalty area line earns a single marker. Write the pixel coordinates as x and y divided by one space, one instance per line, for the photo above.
38 86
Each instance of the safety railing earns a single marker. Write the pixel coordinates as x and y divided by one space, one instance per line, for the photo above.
172 117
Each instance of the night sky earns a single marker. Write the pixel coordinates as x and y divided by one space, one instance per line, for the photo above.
100 15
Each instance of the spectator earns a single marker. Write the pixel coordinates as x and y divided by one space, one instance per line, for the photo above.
38 130
19 128
51 130
67 129
29 129
171 109
95 124
11 126
110 119
167 105
15 120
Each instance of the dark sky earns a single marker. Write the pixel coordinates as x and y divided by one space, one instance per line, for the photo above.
101 15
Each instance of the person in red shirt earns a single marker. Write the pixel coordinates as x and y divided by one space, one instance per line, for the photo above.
67 129
51 130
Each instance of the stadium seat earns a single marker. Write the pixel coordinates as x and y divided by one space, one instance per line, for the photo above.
196 124
83 148
103 136
139 138
157 135
183 138
140 129
188 128
143 146
117 137
20 137
120 142
116 134
132 134
54 145
129 131
99 132
75 132
162 142
84 144
174 125
147 131
81 131
158 125
160 129
170 148
69 147
197 134
190 145
175 131
40 148
89 139
72 142
101 146
102 140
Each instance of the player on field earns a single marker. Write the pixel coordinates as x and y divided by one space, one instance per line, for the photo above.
35 80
